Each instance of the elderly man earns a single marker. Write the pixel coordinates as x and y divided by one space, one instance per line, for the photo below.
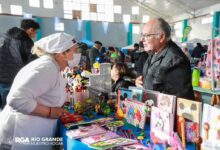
167 69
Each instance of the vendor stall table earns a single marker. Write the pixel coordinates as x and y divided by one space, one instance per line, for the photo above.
72 144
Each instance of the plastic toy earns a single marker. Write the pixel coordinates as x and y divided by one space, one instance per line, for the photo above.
68 118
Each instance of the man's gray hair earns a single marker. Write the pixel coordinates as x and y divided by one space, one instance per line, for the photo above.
165 27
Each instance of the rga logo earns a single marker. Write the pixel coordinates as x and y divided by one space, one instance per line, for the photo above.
22 140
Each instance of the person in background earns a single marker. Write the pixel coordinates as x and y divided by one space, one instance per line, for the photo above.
82 49
167 68
102 54
37 95
131 52
15 52
114 55
120 76
205 48
198 51
94 52
121 56
140 56
186 52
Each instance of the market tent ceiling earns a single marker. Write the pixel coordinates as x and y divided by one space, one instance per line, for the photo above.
169 8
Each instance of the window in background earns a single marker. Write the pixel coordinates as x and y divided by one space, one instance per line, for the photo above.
27 15
0 8
178 29
109 17
67 5
135 10
145 18
48 4
101 1
126 18
34 3
76 6
207 20
117 9
109 13
85 15
93 16
84 1
100 17
16 10
109 9
136 29
85 7
59 26
93 1
108 2
68 16
100 8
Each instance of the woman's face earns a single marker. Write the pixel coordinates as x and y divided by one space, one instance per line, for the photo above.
63 58
114 73
69 54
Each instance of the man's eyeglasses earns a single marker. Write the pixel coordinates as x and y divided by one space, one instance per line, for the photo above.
148 36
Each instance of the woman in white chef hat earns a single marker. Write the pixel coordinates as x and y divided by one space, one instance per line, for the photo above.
36 96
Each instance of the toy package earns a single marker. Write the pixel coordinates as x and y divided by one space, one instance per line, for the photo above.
162 124
166 102
103 121
100 137
68 118
85 131
150 100
216 58
137 93
188 120
115 124
123 94
210 130
74 124
112 143
135 113
134 147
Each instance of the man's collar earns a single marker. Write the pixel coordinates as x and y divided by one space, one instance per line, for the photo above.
163 51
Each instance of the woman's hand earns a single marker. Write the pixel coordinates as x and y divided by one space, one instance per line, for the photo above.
48 112
56 112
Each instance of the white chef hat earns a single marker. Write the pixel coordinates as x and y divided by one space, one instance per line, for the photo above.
56 43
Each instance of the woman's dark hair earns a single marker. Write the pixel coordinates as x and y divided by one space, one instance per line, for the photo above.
122 69
110 48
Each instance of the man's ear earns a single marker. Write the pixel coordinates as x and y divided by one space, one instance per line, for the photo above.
162 37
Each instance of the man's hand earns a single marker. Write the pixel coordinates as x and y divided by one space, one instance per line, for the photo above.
139 81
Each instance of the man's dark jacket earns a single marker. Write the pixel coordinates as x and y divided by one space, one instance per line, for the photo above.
93 54
140 58
169 72
15 50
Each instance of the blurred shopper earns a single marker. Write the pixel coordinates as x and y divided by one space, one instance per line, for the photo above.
186 52
198 51
15 51
94 52
140 56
